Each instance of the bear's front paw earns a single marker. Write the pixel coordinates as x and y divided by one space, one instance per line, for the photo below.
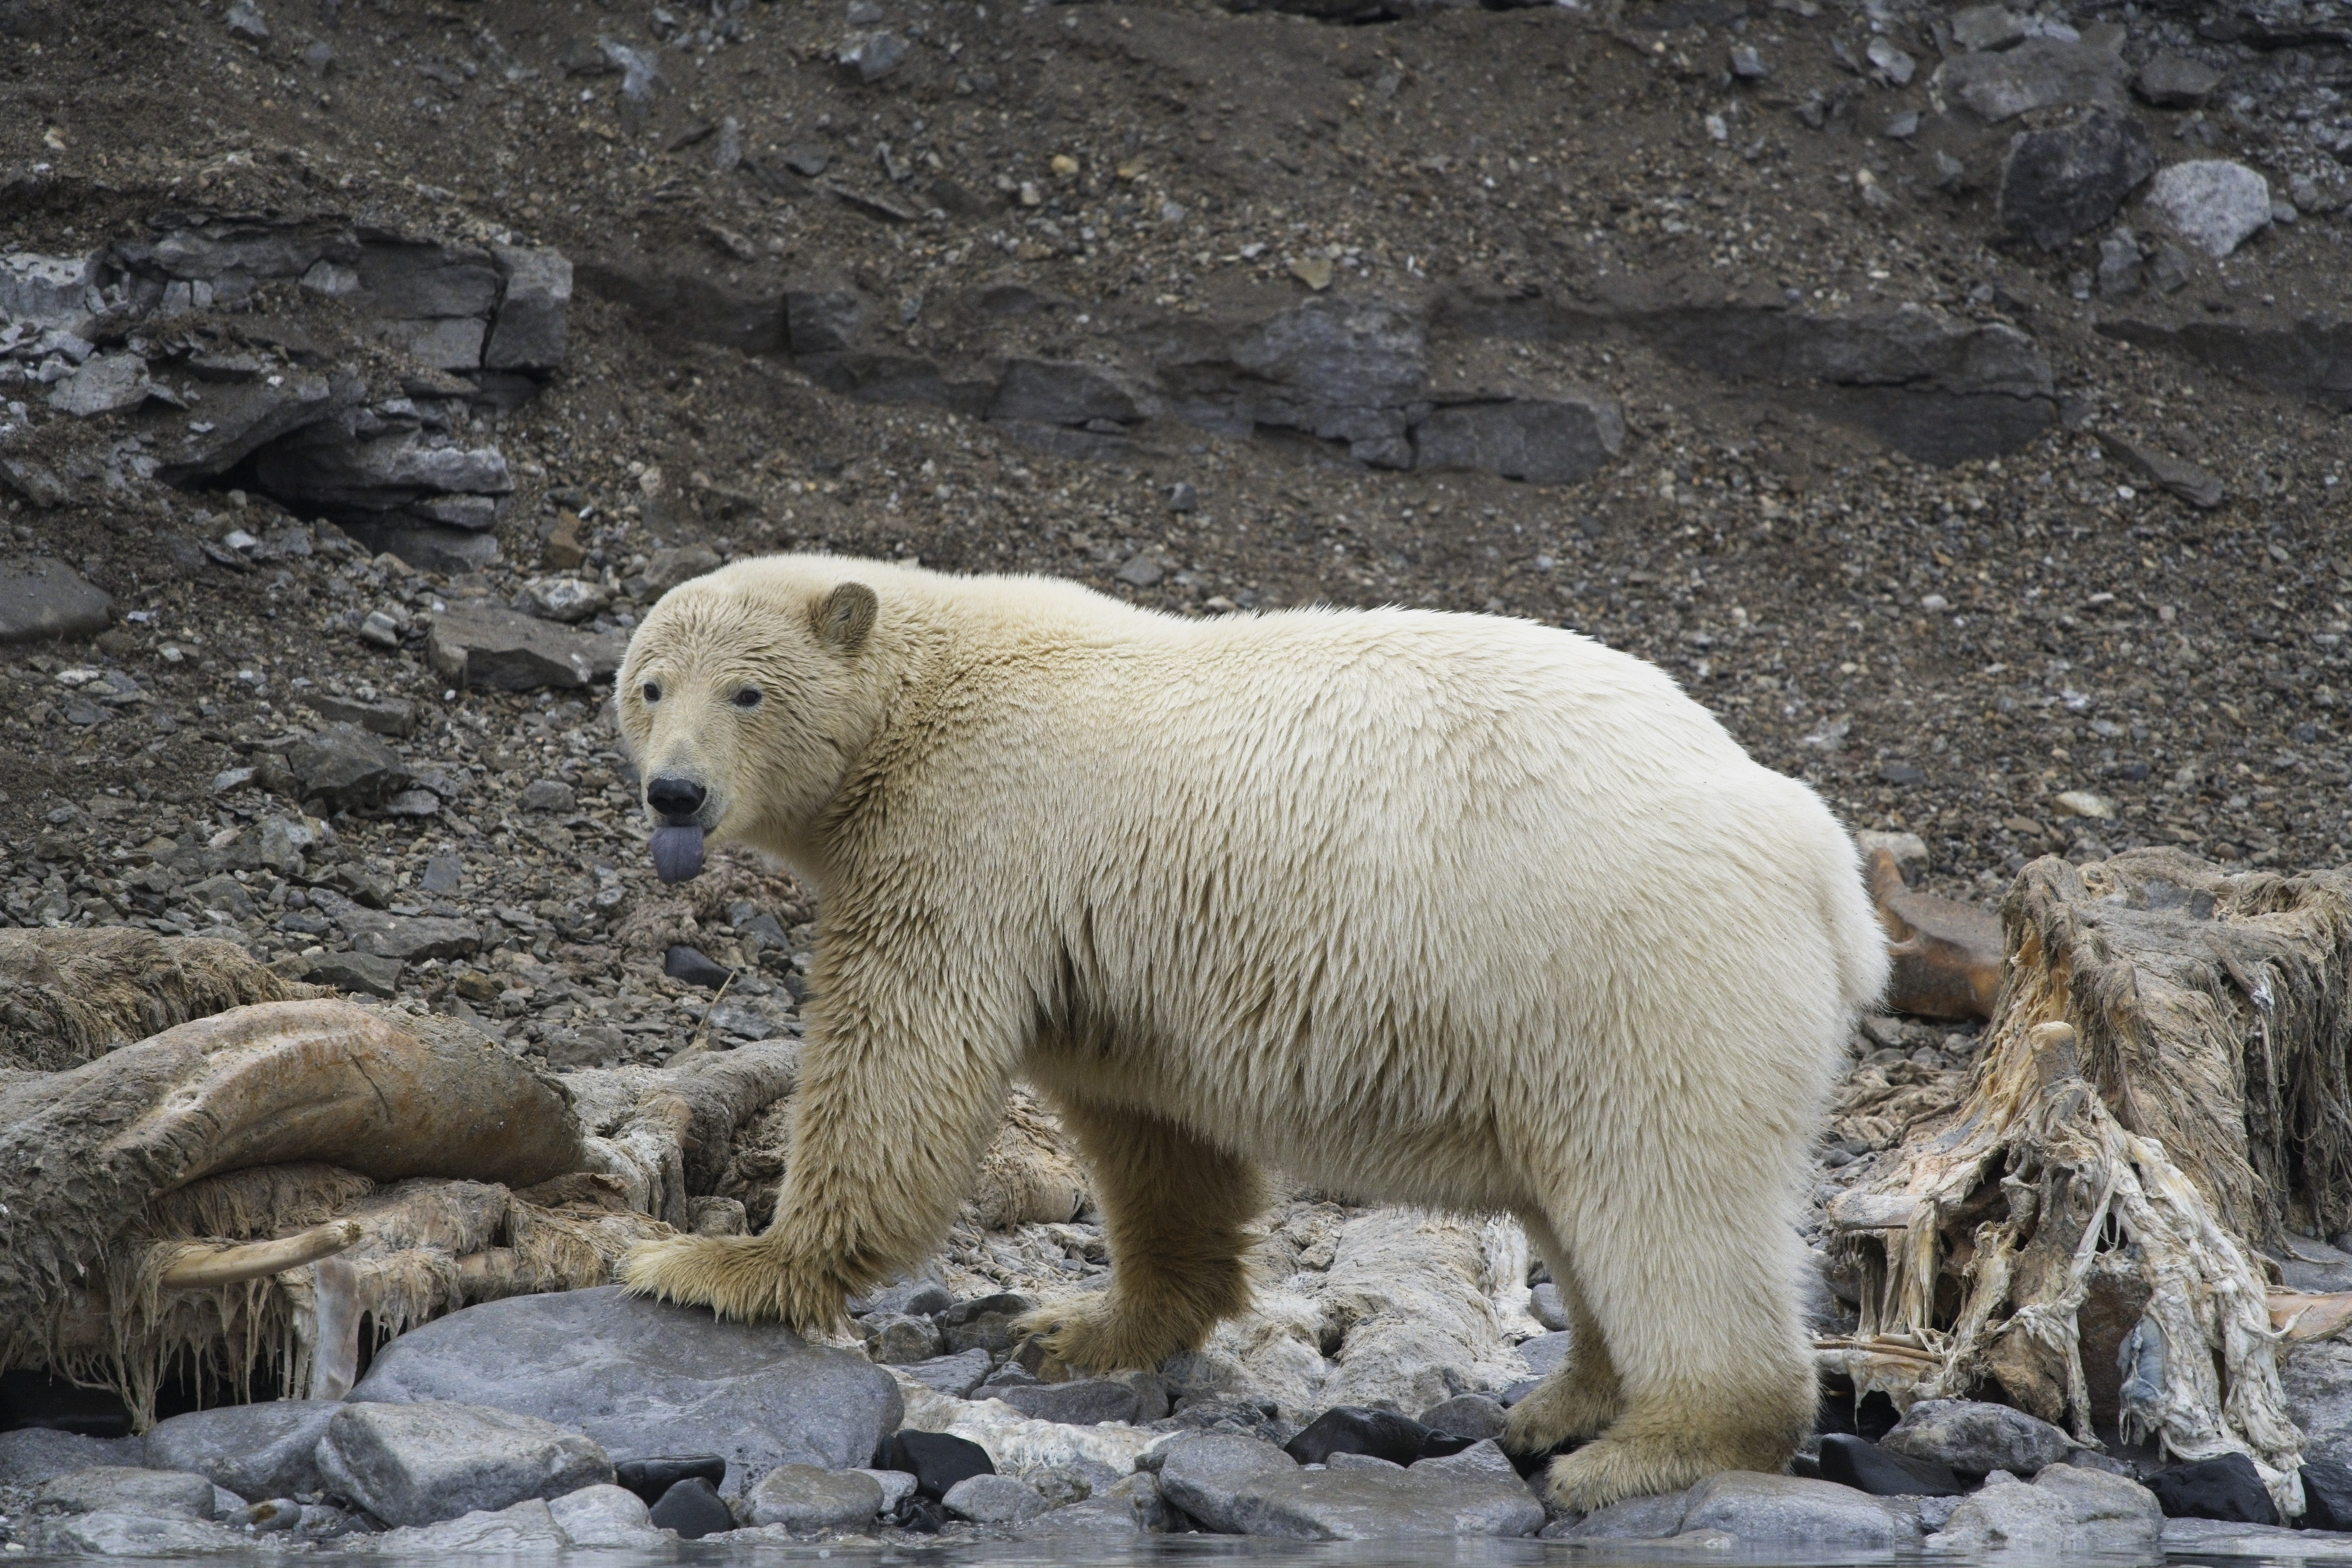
1560 1410
1098 1333
744 1277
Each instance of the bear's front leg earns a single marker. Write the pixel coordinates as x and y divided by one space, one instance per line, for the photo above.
885 1140
1176 1212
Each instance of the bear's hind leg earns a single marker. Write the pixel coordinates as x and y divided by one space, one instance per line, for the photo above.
1581 1396
1176 1212
1693 1291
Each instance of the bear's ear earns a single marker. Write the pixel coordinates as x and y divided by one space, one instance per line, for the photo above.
845 615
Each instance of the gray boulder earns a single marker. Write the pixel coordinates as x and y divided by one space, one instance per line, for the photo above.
604 1516
345 766
119 1488
266 1450
993 1500
2175 81
1975 1438
2213 204
423 1463
901 1339
1241 1487
805 1499
42 599
2064 1512
2059 185
1129 1506
1471 1416
32 1455
1762 1509
643 1378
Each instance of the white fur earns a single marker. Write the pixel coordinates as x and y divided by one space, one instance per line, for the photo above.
1427 909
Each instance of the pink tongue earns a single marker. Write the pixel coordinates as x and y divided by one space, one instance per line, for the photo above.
678 853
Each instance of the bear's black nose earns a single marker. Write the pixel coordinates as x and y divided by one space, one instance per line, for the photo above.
676 799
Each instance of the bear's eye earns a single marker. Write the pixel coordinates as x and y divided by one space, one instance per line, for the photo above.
749 696
652 691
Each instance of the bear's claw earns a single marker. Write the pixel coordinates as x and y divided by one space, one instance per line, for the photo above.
1097 1334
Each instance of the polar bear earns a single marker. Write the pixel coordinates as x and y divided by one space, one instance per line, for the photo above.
1439 910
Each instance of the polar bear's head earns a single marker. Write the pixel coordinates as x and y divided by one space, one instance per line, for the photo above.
742 702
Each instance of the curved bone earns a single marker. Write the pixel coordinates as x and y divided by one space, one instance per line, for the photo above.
386 1094
198 1266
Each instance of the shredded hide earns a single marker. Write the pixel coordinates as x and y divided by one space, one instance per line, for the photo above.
1029 1174
2100 1156
68 996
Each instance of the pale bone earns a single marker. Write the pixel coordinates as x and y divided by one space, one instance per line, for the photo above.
198 1266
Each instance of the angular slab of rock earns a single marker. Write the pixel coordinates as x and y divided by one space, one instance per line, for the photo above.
955 1375
42 598
2175 81
264 1450
1542 441
106 384
2039 73
112 1532
643 1378
529 333
2065 1510
237 419
1085 1403
1761 1509
504 650
1243 1487
2184 479
435 1460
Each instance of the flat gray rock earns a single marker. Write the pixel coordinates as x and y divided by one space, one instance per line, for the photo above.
266 1450
1761 1509
41 598
119 1488
1554 441
645 1378
1087 1402
805 1499
525 1527
957 1375
993 1500
2064 1512
1635 1518
1471 1416
2219 1538
1975 1438
428 1462
506 650
33 1454
1242 1487
1131 1506
112 1533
